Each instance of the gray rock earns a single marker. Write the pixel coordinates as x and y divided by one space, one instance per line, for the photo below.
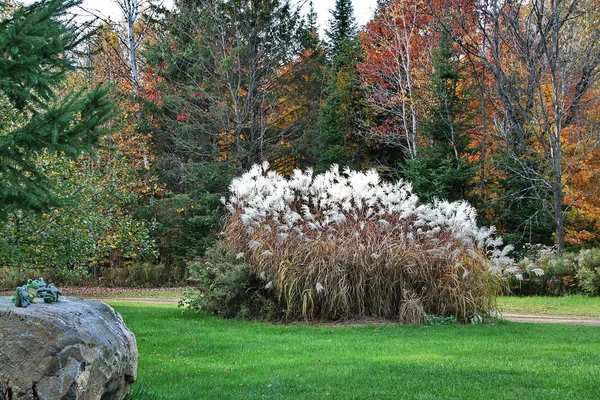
70 350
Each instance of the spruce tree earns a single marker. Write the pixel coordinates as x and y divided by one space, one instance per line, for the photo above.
341 113
36 49
441 170
311 18
342 25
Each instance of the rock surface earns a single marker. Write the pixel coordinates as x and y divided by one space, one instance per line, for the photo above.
70 350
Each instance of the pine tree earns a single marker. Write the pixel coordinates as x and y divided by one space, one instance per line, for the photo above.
342 112
35 57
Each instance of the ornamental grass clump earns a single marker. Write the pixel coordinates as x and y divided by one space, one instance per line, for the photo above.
347 245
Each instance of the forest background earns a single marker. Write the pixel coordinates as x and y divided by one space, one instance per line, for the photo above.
493 101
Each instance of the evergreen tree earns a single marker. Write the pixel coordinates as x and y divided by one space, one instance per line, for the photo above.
311 18
441 170
342 110
342 113
36 48
342 26
228 99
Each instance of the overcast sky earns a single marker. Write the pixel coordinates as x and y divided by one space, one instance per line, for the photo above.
363 9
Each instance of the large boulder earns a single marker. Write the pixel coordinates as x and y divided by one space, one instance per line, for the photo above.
70 350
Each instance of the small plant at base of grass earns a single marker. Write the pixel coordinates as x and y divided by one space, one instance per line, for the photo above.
228 288
436 320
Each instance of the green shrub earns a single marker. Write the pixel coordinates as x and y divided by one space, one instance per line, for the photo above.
72 276
589 258
227 287
588 281
11 277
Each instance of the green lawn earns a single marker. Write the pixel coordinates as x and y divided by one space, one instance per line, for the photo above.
569 305
193 356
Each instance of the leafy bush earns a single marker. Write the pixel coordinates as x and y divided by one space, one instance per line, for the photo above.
569 273
91 229
228 288
588 274
345 245
11 277
588 281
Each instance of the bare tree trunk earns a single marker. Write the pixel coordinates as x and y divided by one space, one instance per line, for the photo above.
131 12
558 190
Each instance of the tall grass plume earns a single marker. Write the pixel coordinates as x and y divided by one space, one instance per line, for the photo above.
345 245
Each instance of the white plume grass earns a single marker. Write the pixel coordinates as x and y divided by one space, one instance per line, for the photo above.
356 234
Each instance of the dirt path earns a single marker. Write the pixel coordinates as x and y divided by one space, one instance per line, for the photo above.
552 319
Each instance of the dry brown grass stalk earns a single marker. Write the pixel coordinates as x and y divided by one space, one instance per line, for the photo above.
367 271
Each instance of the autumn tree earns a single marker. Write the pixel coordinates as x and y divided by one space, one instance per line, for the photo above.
543 57
395 72
303 83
